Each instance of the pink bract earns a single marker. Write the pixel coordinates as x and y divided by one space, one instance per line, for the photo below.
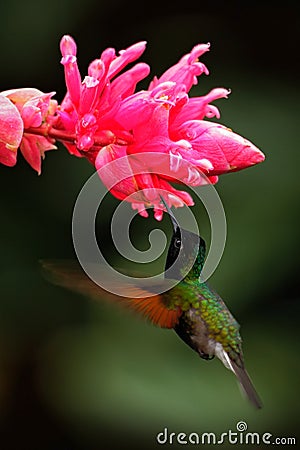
32 108
11 131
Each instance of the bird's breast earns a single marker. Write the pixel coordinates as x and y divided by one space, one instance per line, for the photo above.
194 332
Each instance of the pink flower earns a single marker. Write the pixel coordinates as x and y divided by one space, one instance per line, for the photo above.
161 130
30 109
165 120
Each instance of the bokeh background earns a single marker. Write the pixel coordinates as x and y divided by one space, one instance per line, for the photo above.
75 375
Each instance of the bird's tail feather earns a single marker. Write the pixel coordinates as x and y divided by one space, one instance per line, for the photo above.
242 376
246 385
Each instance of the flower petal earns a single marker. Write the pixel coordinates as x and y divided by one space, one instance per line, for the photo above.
186 70
11 131
33 149
126 56
118 178
226 150
20 96
196 109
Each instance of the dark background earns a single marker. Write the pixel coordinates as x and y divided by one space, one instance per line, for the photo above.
76 375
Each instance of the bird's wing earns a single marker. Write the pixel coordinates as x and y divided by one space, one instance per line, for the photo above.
158 308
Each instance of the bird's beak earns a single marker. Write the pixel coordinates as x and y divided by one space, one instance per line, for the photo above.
173 220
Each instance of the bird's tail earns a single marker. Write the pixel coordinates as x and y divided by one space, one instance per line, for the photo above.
242 376
246 385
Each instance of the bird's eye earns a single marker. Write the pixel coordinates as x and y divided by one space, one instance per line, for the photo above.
177 243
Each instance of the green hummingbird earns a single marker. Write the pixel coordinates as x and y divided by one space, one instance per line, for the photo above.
192 308
205 322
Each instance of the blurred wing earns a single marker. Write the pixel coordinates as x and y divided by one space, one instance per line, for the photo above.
157 308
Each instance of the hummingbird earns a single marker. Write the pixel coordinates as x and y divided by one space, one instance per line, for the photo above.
192 308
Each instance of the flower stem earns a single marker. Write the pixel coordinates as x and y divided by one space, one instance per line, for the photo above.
106 137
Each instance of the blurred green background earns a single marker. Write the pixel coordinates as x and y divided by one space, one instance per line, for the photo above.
78 376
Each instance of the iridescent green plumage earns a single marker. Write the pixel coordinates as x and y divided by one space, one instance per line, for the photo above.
207 304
